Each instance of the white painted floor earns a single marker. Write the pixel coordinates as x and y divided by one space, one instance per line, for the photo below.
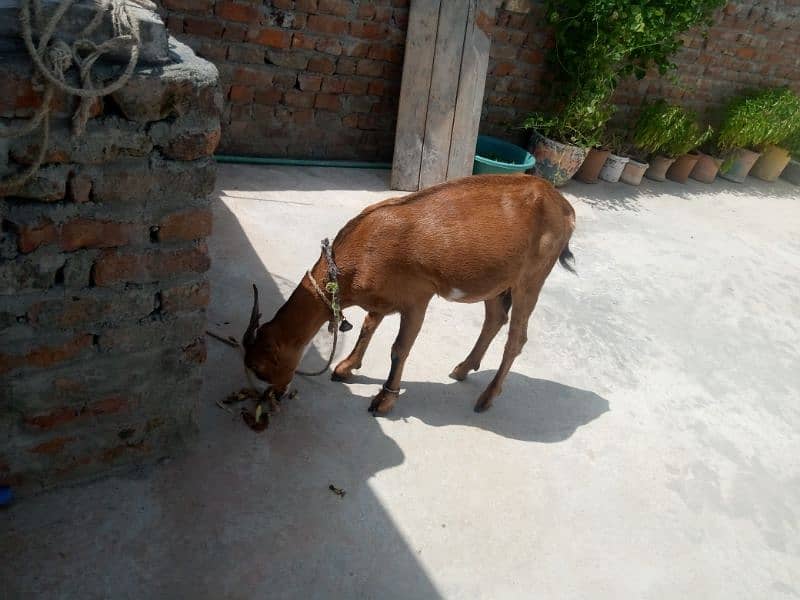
646 445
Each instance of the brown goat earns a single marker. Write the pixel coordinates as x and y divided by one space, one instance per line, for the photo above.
489 238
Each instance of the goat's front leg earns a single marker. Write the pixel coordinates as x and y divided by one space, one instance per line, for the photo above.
410 324
345 368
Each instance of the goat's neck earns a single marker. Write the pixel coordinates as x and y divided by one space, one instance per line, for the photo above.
301 316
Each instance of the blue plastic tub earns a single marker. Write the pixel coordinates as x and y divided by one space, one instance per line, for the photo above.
496 156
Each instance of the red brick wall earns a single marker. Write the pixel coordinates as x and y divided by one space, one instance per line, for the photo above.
516 80
320 78
303 78
754 44
749 46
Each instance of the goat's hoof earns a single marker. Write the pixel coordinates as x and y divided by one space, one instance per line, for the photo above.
484 403
383 402
342 372
460 372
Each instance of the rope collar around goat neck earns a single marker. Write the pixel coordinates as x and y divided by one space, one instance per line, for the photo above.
332 288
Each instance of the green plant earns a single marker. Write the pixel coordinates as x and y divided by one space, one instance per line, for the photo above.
686 135
616 38
757 119
614 141
667 129
580 121
792 144
597 42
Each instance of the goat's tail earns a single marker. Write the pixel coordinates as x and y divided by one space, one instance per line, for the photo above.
567 259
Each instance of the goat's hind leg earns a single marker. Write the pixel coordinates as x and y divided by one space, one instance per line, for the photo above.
344 369
524 303
496 316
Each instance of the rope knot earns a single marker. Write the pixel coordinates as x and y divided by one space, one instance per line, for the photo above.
58 57
53 58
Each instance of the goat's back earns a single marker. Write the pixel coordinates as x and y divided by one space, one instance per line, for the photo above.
476 235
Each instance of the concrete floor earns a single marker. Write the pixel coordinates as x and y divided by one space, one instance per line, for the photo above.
647 444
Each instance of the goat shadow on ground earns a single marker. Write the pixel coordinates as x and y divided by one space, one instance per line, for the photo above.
239 514
529 409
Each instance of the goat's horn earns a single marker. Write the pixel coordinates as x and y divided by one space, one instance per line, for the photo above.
250 335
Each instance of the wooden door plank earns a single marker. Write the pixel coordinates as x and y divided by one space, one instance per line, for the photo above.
443 92
412 112
469 103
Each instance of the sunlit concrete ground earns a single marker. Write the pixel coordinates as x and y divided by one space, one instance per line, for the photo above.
646 445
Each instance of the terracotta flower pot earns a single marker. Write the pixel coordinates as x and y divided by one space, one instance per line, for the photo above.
555 161
738 164
633 172
706 169
613 168
592 164
683 165
792 172
658 168
771 164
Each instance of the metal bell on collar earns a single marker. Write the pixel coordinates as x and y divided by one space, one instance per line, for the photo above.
345 325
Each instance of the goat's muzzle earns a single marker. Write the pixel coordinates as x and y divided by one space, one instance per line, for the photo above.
250 335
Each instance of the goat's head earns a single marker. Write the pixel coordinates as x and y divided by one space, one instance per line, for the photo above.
266 354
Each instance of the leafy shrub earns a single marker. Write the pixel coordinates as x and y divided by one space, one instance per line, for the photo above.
686 136
617 38
757 119
614 141
667 129
792 144
580 122
597 42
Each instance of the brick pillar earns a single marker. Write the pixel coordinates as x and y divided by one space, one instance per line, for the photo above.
102 274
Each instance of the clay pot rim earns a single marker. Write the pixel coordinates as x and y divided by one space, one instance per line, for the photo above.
738 149
561 144
638 162
690 155
620 157
717 160
778 146
597 150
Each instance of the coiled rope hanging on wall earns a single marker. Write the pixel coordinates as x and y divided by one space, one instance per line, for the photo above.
52 58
